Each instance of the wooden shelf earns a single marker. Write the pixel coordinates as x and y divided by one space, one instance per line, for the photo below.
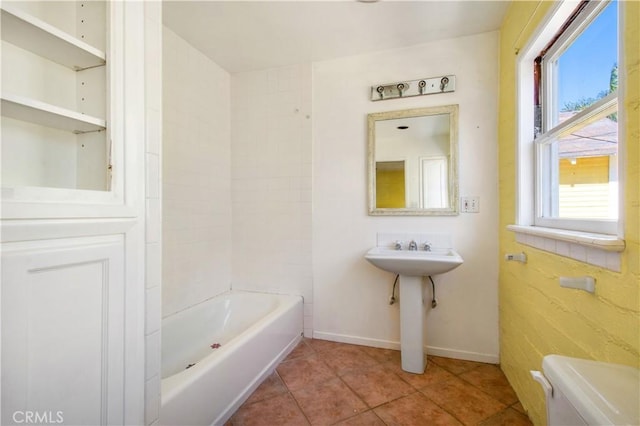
32 34
32 111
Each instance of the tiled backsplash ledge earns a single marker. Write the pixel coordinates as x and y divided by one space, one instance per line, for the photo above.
594 249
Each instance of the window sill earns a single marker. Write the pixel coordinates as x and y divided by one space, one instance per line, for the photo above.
594 249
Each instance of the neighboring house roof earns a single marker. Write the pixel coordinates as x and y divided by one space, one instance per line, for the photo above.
597 139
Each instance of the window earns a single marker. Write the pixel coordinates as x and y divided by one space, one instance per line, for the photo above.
577 147
568 191
568 120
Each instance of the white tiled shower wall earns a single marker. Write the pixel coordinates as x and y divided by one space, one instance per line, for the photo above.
196 171
153 193
236 180
271 182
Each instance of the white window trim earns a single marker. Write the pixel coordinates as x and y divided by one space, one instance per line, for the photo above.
544 237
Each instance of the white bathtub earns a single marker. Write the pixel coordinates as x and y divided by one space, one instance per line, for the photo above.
234 341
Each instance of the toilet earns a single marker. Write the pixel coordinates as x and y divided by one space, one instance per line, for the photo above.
585 392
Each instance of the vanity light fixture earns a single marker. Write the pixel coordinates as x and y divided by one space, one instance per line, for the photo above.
405 89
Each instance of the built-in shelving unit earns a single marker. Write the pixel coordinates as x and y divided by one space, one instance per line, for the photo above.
55 97
72 163
47 41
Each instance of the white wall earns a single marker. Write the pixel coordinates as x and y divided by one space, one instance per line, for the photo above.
350 295
271 179
196 225
264 168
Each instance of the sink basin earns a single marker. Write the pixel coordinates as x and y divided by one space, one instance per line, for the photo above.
414 263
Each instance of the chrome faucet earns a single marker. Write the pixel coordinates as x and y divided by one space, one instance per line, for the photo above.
413 246
427 247
398 245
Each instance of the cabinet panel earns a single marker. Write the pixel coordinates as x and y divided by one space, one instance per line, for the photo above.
63 329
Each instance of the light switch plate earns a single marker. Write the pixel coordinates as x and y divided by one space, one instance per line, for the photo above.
470 204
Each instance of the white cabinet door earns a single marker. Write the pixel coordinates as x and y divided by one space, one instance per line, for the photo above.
63 335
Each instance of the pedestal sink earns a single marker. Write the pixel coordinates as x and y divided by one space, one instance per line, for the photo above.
412 265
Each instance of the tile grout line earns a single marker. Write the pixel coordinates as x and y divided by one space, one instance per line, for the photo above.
485 392
311 351
298 405
474 386
415 390
434 402
352 390
369 408
289 390
380 364
315 353
458 376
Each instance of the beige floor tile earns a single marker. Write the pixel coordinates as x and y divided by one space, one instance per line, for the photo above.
432 374
271 386
320 345
455 366
382 355
347 359
518 407
302 372
467 403
328 402
414 409
306 388
301 350
368 418
280 410
492 380
377 385
508 417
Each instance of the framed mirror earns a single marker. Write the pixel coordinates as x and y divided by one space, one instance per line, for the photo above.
413 162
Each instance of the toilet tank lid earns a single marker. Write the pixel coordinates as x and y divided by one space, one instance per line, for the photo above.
603 393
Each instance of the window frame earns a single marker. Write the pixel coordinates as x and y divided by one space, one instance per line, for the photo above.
530 156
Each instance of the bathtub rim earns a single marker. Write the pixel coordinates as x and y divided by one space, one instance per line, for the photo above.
226 293
172 386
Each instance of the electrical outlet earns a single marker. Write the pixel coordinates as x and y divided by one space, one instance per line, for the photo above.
470 204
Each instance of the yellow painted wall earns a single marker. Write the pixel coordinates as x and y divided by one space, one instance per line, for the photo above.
585 170
584 190
390 189
537 317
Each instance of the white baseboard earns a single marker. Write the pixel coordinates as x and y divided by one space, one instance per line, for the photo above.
355 340
388 344
466 355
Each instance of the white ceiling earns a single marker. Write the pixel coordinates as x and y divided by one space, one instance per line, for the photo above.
423 128
251 35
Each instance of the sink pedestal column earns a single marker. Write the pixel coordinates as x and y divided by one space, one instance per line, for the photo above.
412 319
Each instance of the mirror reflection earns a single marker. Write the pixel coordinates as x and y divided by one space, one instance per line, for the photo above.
412 161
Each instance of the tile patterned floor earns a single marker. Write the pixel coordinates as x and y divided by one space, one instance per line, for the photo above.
325 383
